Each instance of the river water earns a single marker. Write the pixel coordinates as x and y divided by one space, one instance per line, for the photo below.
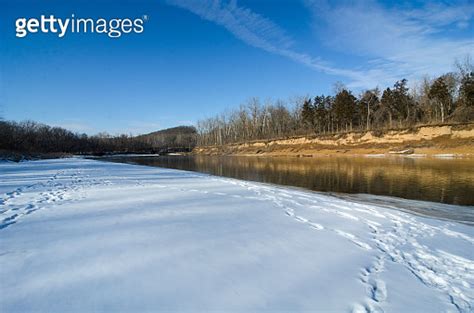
439 180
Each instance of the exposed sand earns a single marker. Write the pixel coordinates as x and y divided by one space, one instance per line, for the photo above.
429 141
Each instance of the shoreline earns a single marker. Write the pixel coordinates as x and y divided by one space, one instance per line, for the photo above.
461 153
369 153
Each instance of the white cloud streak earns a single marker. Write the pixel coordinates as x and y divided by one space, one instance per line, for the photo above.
400 42
438 15
257 31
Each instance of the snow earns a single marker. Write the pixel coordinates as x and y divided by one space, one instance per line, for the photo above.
88 236
445 156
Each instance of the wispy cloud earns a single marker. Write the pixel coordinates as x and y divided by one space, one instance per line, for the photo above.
400 42
257 31
438 15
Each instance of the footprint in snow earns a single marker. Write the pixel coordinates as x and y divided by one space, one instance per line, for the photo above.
353 239
366 308
316 225
301 219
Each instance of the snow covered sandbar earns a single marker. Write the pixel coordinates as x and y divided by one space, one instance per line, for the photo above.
87 236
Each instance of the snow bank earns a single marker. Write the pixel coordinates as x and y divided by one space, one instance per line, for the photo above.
87 236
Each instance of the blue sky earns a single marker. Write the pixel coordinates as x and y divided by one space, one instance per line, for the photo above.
199 58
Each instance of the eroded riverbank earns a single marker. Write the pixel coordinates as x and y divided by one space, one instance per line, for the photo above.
422 141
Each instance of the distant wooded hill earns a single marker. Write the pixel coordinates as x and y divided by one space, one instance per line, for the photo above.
30 138
175 139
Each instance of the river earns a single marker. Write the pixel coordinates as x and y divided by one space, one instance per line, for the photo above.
438 180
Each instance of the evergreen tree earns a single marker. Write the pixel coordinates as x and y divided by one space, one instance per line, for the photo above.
307 114
466 90
402 103
320 112
344 108
386 106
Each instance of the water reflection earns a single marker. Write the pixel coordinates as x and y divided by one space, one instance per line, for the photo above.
439 180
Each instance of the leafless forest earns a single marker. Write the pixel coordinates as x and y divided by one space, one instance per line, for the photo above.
446 99
31 138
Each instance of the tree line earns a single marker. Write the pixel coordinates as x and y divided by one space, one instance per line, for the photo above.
30 138
447 98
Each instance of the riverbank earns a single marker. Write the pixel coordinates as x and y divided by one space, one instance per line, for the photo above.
82 235
423 141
